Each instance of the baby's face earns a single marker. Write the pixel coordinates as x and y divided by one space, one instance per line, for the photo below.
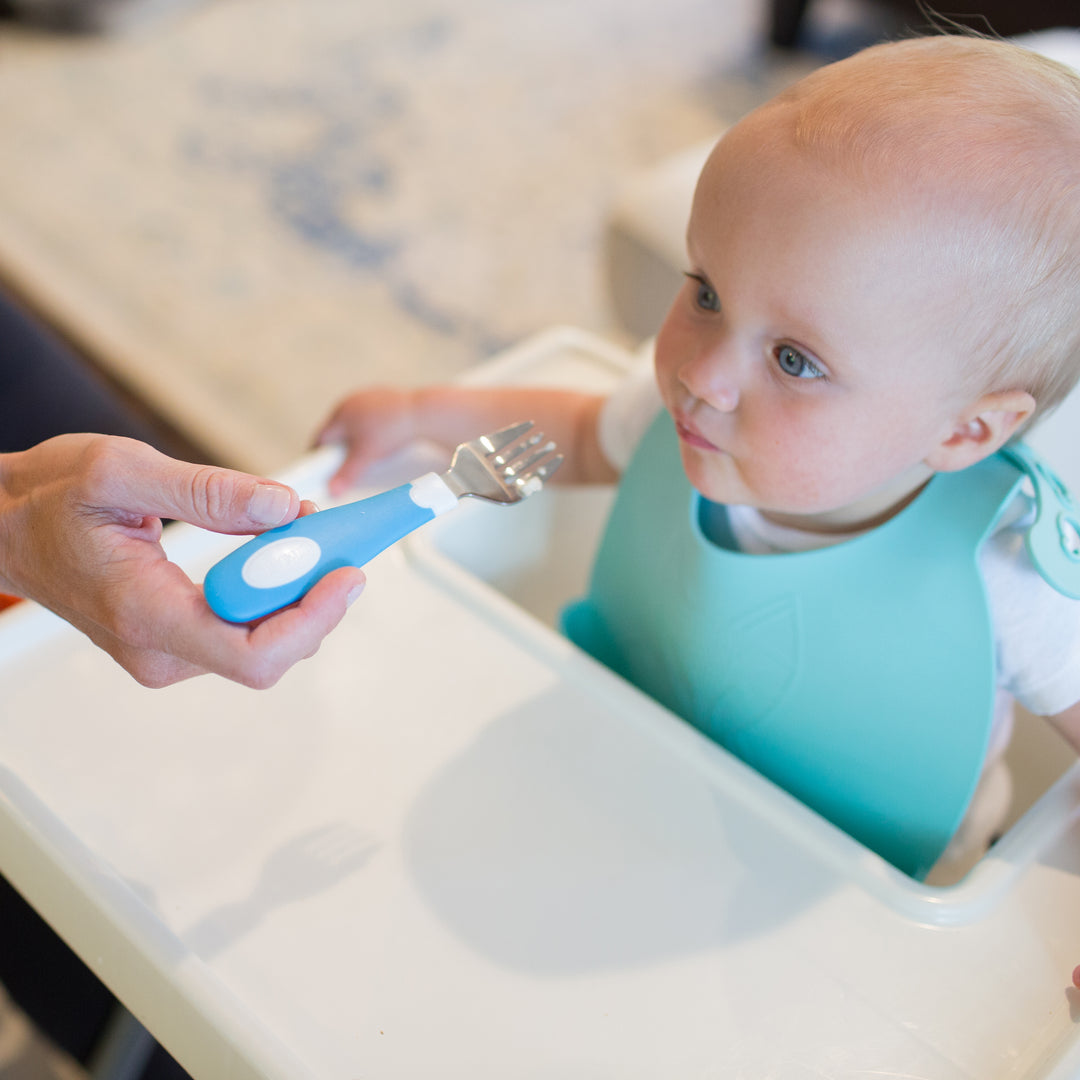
810 360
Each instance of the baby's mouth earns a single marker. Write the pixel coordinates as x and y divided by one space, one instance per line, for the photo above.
692 437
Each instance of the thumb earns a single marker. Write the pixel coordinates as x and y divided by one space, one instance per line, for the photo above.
222 500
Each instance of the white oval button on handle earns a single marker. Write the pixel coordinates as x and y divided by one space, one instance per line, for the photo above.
280 562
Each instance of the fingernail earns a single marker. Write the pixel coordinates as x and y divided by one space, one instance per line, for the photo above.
353 593
269 504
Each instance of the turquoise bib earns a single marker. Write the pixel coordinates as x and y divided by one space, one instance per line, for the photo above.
859 677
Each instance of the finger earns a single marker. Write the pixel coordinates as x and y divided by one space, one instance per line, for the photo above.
297 632
139 478
353 465
348 475
177 623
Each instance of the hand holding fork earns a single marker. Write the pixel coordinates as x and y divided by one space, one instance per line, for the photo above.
278 567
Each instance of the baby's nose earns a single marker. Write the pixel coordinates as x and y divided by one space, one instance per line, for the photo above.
724 398
712 381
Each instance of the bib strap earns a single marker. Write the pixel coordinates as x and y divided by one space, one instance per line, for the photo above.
1053 541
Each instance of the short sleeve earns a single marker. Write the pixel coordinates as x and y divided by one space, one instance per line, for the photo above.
1036 627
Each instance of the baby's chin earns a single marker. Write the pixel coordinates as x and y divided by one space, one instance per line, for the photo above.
795 513
712 479
715 475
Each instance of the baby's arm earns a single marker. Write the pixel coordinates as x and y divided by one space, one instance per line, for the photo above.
376 422
1068 723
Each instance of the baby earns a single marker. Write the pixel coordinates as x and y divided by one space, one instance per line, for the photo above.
817 554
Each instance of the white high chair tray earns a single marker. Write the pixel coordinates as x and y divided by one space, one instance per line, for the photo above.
452 845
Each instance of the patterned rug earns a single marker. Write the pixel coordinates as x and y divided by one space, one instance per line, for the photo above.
251 206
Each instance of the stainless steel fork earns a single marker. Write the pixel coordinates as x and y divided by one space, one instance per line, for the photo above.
281 565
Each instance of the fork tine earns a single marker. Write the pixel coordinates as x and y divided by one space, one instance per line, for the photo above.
506 457
528 483
503 466
542 472
496 440
516 467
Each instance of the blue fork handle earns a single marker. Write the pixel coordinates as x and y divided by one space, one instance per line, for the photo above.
279 566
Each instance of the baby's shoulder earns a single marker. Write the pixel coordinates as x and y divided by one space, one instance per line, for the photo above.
1036 627
1018 592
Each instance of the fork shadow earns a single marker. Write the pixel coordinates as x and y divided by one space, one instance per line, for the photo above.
308 864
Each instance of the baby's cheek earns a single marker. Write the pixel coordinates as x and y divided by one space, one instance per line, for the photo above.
794 470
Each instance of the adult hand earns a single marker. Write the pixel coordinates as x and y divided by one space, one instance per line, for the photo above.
80 531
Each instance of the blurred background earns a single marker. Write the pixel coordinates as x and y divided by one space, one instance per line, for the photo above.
239 209
236 211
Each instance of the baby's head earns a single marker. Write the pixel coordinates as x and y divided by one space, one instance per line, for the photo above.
884 280
984 137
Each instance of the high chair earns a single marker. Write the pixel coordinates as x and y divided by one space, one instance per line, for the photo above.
452 844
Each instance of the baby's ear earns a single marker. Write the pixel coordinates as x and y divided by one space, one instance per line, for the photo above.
984 427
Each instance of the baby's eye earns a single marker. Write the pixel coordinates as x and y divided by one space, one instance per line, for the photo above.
794 363
706 297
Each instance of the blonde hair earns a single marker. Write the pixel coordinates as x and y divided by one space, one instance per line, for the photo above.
992 131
